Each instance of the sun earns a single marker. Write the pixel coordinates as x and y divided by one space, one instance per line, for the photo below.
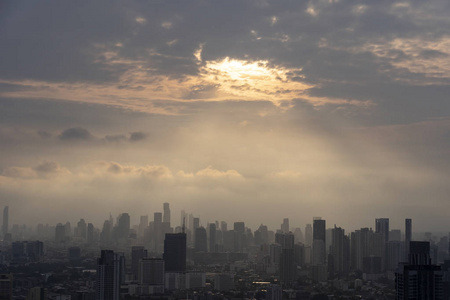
253 80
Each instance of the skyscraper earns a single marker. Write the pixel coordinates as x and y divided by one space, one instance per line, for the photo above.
212 237
137 253
319 238
175 252
285 225
382 226
419 279
308 235
5 228
6 286
337 249
166 216
110 272
408 235
200 240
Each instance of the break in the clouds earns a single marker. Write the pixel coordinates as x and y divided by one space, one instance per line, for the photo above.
242 102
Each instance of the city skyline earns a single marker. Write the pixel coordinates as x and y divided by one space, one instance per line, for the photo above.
249 111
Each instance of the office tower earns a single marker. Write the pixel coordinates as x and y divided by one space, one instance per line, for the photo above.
285 225
5 227
395 255
110 275
223 226
90 233
319 236
158 232
337 249
408 236
123 226
298 235
287 260
60 233
196 223
105 235
6 286
175 252
419 279
151 271
143 224
37 293
137 253
308 235
212 237
382 226
239 227
166 217
200 244
81 229
183 218
68 229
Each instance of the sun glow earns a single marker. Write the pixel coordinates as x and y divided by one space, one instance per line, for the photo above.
253 80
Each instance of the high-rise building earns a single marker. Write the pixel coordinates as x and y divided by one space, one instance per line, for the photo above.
137 253
143 224
175 252
319 242
110 275
37 293
6 286
308 235
408 236
166 216
60 233
285 225
287 259
382 226
212 237
200 244
123 226
81 230
90 233
151 271
337 249
419 279
5 227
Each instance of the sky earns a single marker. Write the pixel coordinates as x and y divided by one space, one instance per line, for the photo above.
232 110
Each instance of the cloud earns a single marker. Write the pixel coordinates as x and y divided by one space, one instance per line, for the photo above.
75 133
137 136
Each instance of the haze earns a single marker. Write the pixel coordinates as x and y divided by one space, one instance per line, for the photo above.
232 110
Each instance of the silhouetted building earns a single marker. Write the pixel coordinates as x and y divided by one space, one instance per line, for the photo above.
110 275
419 279
166 216
319 242
37 293
137 253
6 286
200 240
5 226
151 272
212 237
408 236
175 252
60 233
337 249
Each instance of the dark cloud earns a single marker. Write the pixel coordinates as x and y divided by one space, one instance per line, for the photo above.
47 167
75 133
137 136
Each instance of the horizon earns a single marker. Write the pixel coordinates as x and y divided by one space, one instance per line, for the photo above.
255 111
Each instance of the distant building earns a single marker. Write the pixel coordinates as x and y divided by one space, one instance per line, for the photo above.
137 253
200 240
319 242
5 227
166 216
151 275
175 252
